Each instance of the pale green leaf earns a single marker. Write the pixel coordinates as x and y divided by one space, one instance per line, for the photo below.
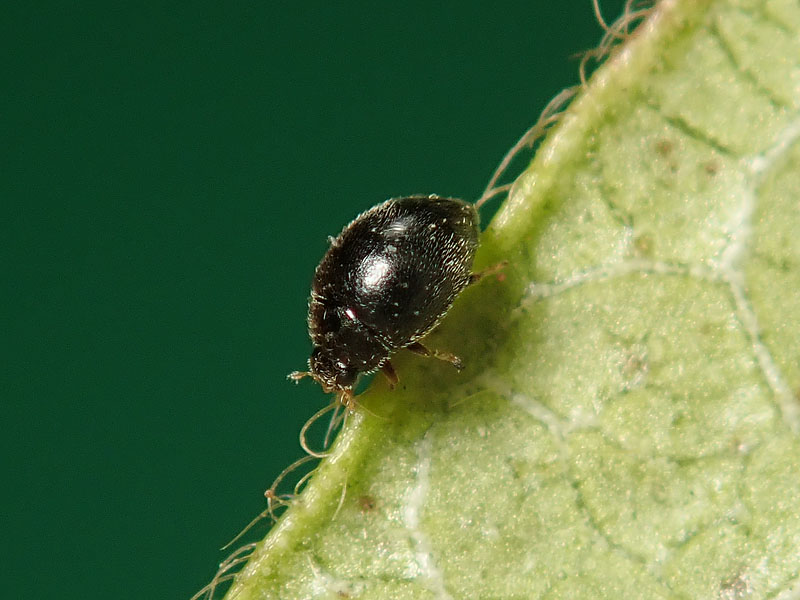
627 424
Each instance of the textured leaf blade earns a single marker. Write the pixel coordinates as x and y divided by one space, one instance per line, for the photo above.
627 423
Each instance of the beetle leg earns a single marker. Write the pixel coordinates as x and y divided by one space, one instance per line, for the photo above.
391 376
422 350
347 399
476 277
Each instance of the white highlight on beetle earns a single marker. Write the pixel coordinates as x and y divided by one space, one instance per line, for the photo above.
376 271
397 228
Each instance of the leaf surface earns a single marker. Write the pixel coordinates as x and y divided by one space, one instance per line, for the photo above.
627 422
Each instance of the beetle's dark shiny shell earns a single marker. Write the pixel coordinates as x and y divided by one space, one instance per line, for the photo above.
386 281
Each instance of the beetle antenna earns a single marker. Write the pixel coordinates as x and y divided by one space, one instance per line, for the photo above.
296 376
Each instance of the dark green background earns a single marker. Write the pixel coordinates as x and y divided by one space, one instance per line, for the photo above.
170 175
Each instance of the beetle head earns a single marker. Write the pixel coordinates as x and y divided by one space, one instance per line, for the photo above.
330 370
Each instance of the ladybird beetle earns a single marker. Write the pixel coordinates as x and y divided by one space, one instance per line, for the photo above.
385 282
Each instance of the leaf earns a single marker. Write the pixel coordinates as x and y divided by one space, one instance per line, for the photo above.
627 424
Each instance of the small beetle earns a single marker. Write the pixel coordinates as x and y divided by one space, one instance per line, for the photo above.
384 283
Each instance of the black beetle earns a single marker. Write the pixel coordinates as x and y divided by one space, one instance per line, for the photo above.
384 283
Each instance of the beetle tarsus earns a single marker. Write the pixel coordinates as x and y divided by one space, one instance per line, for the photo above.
476 277
347 399
418 348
